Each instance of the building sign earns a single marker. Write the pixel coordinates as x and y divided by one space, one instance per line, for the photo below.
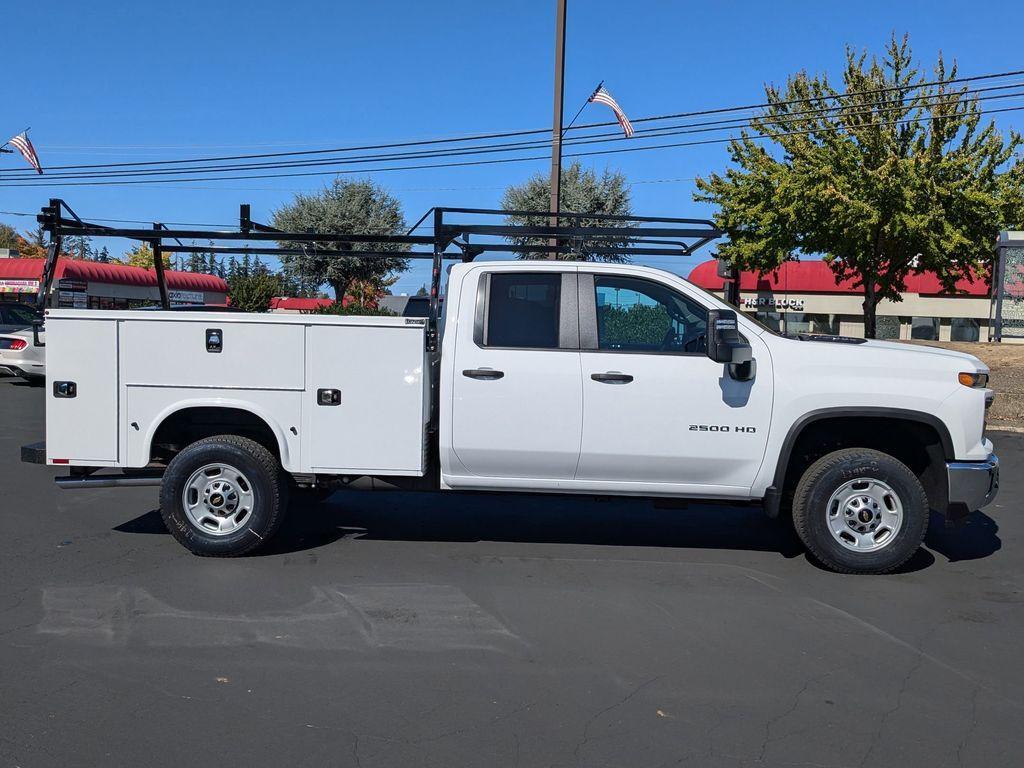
772 302
186 297
72 300
19 286
1009 293
66 284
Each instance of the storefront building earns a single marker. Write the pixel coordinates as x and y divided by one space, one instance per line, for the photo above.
93 285
803 297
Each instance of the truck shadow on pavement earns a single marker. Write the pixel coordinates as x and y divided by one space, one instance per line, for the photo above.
560 520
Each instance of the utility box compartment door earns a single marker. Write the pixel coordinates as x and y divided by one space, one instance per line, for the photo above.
82 353
215 351
367 395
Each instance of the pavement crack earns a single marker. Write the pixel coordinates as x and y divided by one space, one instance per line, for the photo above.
971 726
904 684
606 710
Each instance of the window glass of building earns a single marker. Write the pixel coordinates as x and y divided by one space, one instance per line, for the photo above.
924 328
964 329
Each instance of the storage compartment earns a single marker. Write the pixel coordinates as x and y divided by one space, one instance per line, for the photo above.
375 424
82 424
211 350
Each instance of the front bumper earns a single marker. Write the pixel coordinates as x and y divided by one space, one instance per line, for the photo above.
972 484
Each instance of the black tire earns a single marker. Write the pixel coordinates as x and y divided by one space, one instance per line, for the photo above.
263 479
829 474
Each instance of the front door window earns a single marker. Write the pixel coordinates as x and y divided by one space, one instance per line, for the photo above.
635 315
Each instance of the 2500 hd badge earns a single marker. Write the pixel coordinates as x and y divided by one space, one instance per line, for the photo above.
721 428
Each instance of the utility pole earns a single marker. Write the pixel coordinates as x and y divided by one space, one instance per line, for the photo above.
556 125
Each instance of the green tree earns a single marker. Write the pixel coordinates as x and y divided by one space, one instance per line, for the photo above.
582 191
79 246
335 308
637 324
344 207
883 178
8 236
252 293
141 255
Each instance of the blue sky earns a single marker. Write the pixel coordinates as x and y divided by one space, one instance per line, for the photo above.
106 82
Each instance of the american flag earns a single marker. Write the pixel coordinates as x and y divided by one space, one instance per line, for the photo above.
22 144
601 96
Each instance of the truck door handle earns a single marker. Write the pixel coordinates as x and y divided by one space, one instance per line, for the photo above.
487 374
612 377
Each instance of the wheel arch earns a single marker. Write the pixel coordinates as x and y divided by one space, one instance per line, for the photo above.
935 443
204 417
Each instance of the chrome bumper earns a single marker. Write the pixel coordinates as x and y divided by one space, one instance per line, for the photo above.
972 484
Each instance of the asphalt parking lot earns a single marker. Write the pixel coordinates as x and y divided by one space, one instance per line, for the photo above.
400 630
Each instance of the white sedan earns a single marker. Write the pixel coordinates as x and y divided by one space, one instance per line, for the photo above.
19 356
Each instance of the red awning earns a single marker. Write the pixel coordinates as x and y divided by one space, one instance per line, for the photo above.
299 305
817 277
111 274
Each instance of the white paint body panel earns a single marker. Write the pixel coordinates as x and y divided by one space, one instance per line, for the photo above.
83 429
635 439
379 427
159 353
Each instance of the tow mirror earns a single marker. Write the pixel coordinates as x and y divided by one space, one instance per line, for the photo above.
725 345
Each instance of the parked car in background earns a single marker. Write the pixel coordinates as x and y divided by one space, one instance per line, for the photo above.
15 316
19 356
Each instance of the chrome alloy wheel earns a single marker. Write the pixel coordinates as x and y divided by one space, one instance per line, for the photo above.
218 499
864 515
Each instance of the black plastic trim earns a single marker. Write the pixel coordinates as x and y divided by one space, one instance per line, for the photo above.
861 411
34 453
107 481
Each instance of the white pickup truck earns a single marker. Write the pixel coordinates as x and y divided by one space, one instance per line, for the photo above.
549 377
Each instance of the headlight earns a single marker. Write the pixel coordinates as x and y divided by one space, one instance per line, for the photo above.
973 380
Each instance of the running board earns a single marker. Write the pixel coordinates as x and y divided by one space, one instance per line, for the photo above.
74 482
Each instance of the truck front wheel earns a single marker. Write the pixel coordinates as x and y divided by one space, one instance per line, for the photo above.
223 496
860 511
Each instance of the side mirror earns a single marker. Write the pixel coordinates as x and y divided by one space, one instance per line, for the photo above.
725 345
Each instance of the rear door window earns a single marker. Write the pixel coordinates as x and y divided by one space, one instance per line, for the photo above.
523 310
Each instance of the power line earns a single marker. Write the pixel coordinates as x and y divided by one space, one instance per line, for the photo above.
615 136
471 163
509 134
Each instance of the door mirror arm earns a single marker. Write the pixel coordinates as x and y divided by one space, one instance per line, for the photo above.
743 371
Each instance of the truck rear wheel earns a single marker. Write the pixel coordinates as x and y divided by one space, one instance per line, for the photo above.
223 496
860 511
